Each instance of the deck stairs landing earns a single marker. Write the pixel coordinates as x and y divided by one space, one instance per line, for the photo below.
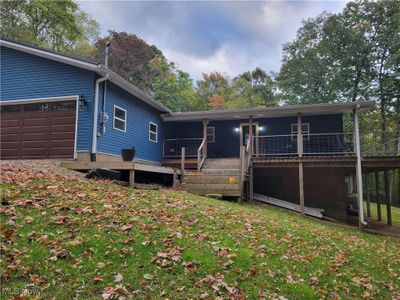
217 177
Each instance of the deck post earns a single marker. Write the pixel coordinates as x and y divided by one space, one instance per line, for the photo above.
251 184
205 124
182 163
251 134
358 171
300 155
241 174
366 178
132 178
378 198
388 197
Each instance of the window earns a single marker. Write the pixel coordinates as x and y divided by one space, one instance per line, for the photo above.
36 107
153 132
57 106
10 109
305 130
210 134
119 118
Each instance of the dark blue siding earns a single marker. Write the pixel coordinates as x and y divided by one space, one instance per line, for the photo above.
227 140
26 76
139 114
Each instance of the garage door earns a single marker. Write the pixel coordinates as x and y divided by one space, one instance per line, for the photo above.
38 130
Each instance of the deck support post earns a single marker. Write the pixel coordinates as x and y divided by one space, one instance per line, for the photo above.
251 184
251 133
300 155
377 196
388 198
205 124
182 163
358 171
366 178
175 179
132 178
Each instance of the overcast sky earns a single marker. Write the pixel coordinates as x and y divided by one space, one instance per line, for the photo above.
201 37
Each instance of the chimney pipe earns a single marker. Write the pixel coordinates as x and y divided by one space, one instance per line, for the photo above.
106 54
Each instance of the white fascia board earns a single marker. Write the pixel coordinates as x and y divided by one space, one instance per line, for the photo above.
271 112
130 88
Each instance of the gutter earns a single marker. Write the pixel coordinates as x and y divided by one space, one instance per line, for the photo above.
358 169
95 117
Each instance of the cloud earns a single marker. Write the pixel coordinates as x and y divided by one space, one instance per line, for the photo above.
228 36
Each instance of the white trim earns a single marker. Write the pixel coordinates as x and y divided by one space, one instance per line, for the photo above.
119 119
265 112
76 128
155 132
212 134
39 100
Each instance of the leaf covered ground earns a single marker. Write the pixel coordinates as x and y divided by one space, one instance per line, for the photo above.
66 237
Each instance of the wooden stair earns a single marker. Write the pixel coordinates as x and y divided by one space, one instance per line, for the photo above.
217 177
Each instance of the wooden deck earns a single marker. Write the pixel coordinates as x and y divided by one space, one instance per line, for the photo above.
121 166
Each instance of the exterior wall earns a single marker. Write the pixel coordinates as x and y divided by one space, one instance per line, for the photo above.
323 187
26 76
139 114
227 140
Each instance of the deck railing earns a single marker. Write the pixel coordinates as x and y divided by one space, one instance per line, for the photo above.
275 145
380 144
201 154
372 144
328 143
172 147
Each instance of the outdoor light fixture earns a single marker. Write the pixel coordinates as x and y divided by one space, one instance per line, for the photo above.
236 129
262 128
82 101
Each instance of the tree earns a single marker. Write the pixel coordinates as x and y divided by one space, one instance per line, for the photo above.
254 88
304 76
211 85
58 25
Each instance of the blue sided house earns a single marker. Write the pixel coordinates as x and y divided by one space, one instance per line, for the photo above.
55 106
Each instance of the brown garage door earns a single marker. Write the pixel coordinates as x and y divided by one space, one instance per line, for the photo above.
38 130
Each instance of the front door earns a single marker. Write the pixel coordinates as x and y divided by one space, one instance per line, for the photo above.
244 133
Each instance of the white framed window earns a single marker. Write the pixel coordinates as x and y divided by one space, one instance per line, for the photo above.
153 132
210 134
119 122
305 130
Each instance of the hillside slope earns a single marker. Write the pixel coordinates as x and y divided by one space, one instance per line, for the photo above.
67 237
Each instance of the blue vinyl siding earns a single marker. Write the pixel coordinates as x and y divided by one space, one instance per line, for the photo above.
227 140
139 114
26 76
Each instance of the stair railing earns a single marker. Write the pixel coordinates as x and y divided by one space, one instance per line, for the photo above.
245 161
201 155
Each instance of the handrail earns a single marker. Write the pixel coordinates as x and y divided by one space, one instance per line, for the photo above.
201 157
384 145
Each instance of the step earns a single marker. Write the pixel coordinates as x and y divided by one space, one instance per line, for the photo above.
211 178
221 171
215 192
211 186
220 167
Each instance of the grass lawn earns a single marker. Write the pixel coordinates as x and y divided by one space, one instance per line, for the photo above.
72 238
374 213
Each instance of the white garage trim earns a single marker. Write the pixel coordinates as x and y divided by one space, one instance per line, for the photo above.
51 99
39 100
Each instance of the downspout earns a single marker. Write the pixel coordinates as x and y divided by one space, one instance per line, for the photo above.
95 117
358 169
104 117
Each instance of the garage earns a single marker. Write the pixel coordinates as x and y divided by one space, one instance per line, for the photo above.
38 130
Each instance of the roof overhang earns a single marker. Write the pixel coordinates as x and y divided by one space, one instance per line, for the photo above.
270 112
98 68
